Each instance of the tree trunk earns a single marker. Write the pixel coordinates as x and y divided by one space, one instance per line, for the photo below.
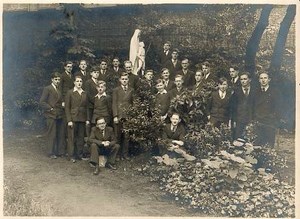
281 39
253 43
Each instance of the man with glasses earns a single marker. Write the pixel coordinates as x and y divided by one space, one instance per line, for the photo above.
103 142
51 103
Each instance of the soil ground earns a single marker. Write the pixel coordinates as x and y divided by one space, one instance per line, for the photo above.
60 188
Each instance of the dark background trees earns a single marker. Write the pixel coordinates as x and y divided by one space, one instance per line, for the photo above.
36 43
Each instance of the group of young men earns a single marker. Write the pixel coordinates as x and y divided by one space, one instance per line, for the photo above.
88 107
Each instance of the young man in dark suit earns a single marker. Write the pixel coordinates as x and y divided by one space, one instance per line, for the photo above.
165 53
165 75
243 100
133 79
82 72
199 80
209 76
188 75
162 99
172 135
76 113
179 89
51 103
266 110
91 90
234 82
174 65
220 105
122 98
102 105
103 141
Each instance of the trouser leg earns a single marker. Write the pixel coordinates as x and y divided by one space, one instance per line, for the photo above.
79 129
94 154
70 131
113 153
51 136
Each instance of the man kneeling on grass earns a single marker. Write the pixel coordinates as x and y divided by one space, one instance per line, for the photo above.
103 142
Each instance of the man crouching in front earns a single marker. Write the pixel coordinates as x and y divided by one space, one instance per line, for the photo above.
103 142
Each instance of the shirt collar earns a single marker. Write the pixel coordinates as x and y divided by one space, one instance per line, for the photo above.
102 95
78 90
266 87
95 80
54 86
163 92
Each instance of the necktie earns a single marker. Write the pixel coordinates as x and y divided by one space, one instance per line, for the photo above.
263 89
103 132
246 91
222 95
125 88
173 128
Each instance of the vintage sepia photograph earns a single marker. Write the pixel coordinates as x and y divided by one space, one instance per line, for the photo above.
149 110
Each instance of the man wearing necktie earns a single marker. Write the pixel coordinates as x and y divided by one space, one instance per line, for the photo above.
267 110
172 135
103 142
122 98
165 53
51 103
243 100
173 64
82 72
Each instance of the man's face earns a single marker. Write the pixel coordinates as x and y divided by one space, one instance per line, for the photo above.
124 80
166 46
223 87
185 64
68 68
149 76
245 80
233 73
101 124
116 62
128 67
103 65
95 74
165 74
56 81
175 120
264 79
178 82
205 69
78 83
174 55
198 76
83 65
101 89
160 87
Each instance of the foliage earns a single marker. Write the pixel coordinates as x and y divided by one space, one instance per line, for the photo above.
226 184
143 120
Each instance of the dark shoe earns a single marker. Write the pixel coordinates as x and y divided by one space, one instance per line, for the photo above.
92 165
53 156
97 170
110 166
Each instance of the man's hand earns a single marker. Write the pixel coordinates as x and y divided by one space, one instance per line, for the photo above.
87 122
105 143
70 124
177 142
116 120
63 104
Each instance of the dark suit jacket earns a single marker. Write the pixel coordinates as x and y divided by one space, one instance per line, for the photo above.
133 81
91 91
211 77
105 77
162 101
97 136
174 92
102 108
267 106
220 109
163 58
172 69
170 85
51 98
177 135
66 83
121 100
188 78
76 106
243 107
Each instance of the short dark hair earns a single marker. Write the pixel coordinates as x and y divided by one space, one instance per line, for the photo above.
235 67
245 73
95 68
77 76
163 69
123 74
221 80
175 50
68 62
55 75
98 118
206 63
158 81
